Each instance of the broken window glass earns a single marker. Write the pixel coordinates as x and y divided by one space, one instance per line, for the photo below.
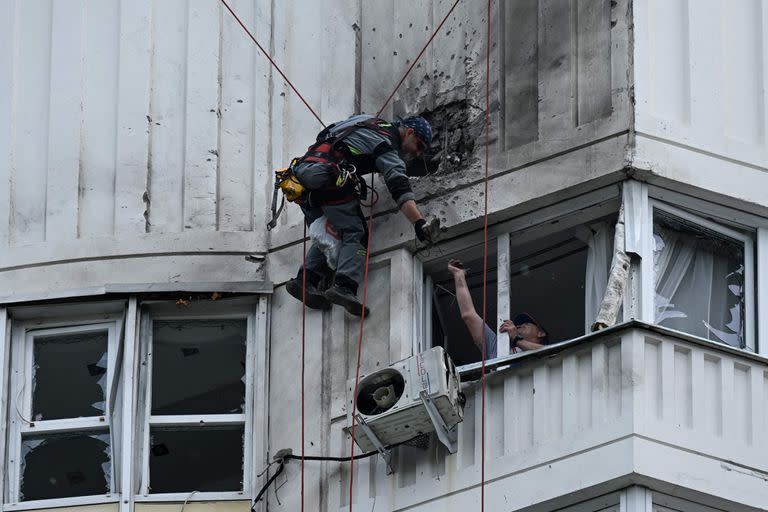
699 277
198 366
186 459
65 465
69 375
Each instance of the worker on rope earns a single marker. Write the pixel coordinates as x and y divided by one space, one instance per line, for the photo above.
330 172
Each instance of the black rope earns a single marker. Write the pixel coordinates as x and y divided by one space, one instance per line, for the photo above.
291 456
298 457
269 482
333 459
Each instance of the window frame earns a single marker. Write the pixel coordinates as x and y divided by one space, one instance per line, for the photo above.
529 226
649 286
145 419
23 334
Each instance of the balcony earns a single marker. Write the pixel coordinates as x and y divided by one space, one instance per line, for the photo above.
634 404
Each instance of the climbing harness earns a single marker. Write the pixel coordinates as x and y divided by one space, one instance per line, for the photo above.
345 184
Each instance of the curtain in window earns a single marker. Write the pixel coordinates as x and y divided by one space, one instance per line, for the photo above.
699 281
599 255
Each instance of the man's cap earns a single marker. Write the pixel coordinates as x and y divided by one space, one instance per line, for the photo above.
421 127
525 318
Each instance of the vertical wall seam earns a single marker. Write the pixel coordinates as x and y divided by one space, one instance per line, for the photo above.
147 197
48 121
219 113
502 81
686 29
761 75
270 112
252 112
83 45
116 201
184 118
12 128
632 136
575 59
359 59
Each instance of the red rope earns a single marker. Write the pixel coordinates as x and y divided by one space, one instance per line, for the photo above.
485 243
417 58
359 348
303 345
272 61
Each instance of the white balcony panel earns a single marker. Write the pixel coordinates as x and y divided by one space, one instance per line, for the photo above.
618 398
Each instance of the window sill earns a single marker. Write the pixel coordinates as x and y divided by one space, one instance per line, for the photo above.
191 497
63 502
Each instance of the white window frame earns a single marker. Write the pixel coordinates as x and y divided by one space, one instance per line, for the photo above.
749 262
20 403
640 199
246 418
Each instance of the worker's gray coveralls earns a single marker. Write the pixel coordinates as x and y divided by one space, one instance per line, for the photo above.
347 217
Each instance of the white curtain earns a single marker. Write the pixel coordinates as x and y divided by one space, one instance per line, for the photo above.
699 283
599 242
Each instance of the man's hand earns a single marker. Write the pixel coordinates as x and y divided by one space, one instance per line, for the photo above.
422 232
455 267
511 329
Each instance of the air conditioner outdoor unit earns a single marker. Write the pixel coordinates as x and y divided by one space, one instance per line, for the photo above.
414 396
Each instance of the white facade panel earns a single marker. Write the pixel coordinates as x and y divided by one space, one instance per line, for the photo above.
700 72
117 116
162 118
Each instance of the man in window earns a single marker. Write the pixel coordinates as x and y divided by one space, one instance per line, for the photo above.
524 332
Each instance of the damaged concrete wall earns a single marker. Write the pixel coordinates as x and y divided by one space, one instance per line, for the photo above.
145 132
560 103
561 114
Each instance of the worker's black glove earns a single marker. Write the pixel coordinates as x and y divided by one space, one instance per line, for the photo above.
426 233
421 233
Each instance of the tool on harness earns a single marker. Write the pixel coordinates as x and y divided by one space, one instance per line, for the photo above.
292 189
286 181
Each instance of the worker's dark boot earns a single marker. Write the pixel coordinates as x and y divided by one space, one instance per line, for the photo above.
315 298
343 293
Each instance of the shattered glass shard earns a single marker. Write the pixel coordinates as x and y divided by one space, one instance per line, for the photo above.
69 378
65 465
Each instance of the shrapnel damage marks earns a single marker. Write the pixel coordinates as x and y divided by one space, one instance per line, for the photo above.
454 134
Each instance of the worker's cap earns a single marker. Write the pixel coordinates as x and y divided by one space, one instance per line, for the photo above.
421 127
525 318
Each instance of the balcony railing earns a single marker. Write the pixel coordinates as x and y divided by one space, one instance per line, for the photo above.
631 404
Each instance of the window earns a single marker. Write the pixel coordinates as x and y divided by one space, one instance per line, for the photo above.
196 405
61 411
703 273
123 398
554 271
